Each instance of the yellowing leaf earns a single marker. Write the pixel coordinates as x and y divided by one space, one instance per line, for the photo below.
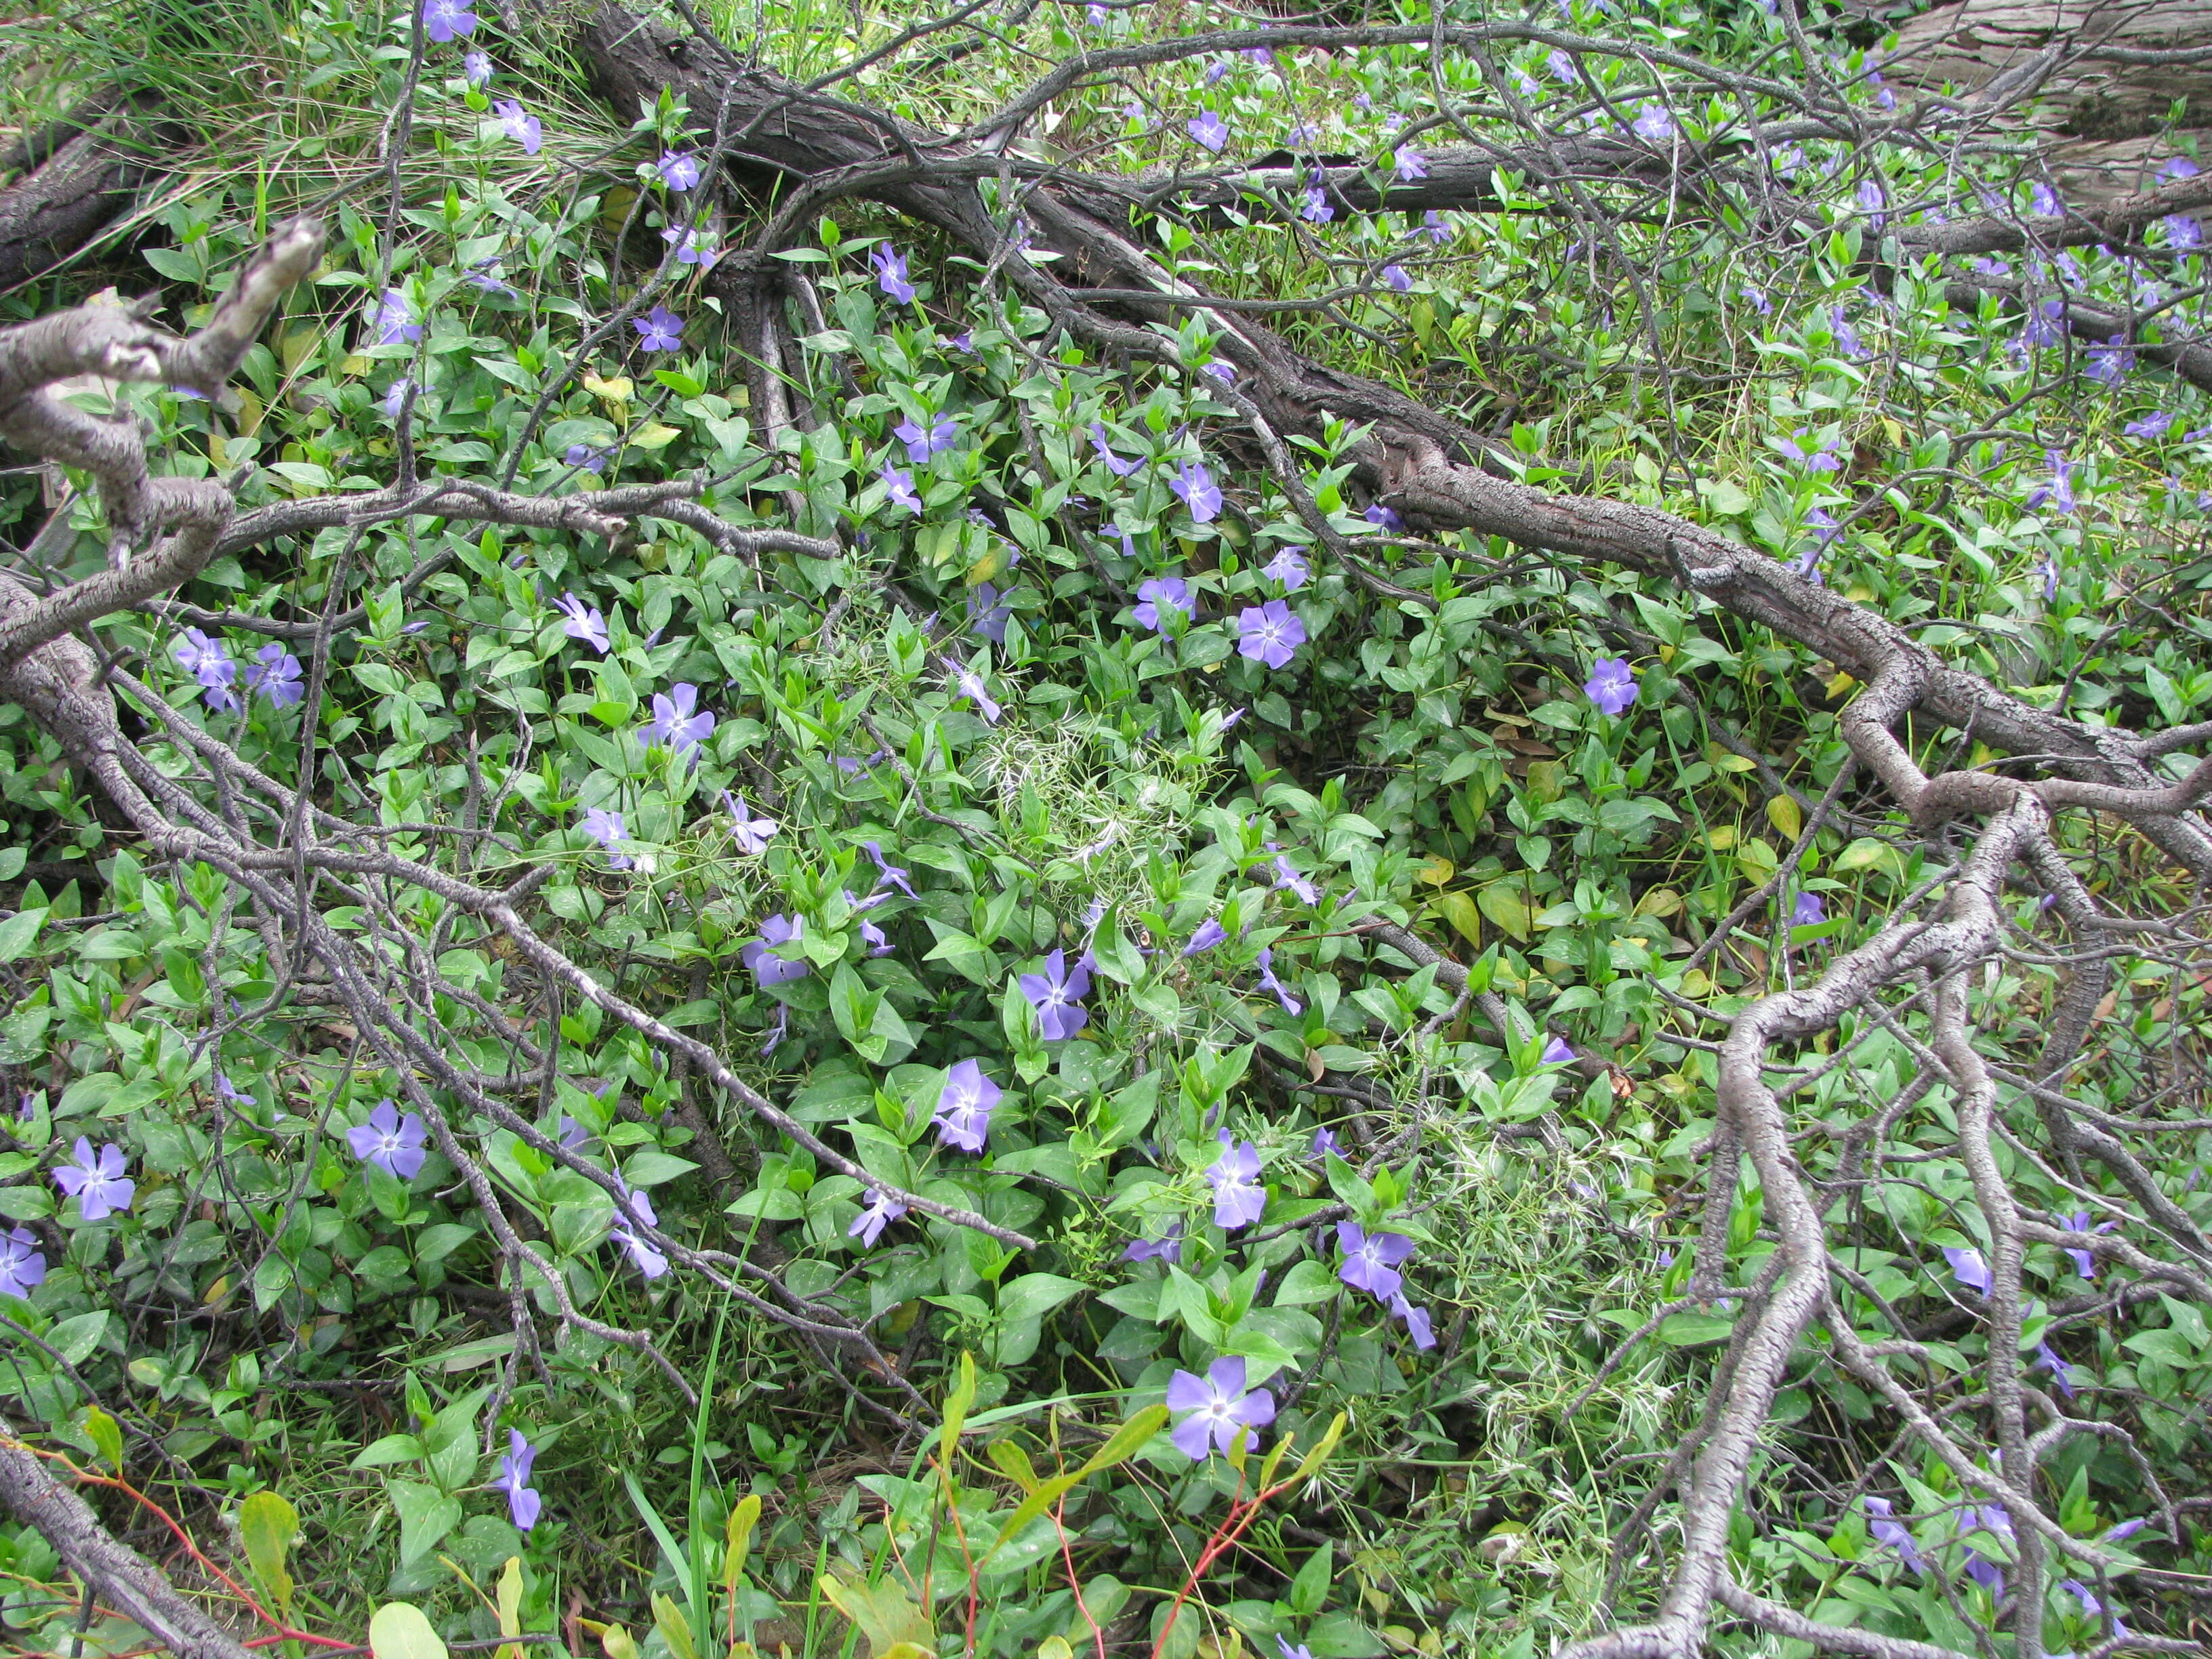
106 1434
738 1538
675 1629
1662 902
1839 685
1458 909
615 391
510 1607
653 435
266 1524
398 1631
885 1613
1782 812
1502 903
1721 837
613 1639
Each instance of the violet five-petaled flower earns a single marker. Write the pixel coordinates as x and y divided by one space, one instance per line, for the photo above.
1166 1247
1114 463
583 622
1813 457
519 124
634 1210
971 686
879 1210
1218 1409
1194 486
1208 129
1239 1199
962 1118
1653 124
445 21
921 444
524 1503
1287 875
96 1180
1270 633
2062 1374
1807 911
1383 518
1057 994
679 170
659 329
1395 279
2153 426
987 618
899 487
1289 568
1159 595
2059 492
1893 1533
23 1264
1556 1053
894 873
274 673
2084 1263
750 833
586 458
1371 1260
1434 227
1316 210
1419 1325
1968 1267
1612 684
392 1143
1324 1143
694 246
606 828
1265 964
396 321
476 68
678 724
760 955
1210 933
1410 162
1283 1647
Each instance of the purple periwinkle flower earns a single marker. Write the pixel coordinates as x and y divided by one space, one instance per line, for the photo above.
395 397
1208 129
879 1210
751 834
1419 1324
891 273
1434 227
1324 1143
1265 964
987 618
395 321
444 20
1612 684
2046 323
588 459
920 444
476 68
1316 210
2153 426
1556 1053
900 483
392 1143
2042 201
520 125
1194 487
963 1107
1809 911
2084 1263
1813 458
523 1502
972 687
1983 1572
1287 875
96 1180
679 170
2059 492
1653 124
23 1264
274 673
606 828
1163 593
678 724
694 246
1822 523
1056 994
583 622
1222 371
2177 167
1395 278
659 329
1270 633
1968 1267
760 956
1119 468
1218 1409
635 1210
2062 1374
1166 1247
1410 162
1371 1260
2110 361
1239 1199
894 873
1383 518
1289 568
1887 1530
1210 933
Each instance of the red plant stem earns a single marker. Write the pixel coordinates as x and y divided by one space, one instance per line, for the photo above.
1233 1527
1074 1581
284 1631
